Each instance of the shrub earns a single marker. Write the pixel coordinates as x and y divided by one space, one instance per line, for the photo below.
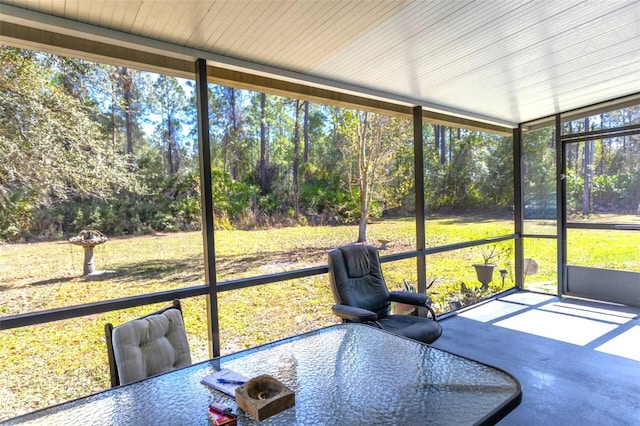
230 197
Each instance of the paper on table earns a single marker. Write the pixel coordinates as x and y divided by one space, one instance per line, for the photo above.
211 380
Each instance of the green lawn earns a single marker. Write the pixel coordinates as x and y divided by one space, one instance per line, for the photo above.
50 363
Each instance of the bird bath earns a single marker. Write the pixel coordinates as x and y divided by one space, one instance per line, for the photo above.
88 239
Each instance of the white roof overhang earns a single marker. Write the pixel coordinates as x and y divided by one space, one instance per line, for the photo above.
490 63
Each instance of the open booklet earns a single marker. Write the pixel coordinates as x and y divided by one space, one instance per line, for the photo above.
225 381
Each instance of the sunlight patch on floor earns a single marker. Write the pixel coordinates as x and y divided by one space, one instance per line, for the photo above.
526 298
565 328
607 315
491 311
626 345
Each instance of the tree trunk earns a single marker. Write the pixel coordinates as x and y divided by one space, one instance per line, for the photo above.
586 199
306 132
442 135
440 142
114 132
362 231
263 144
602 149
126 91
364 209
233 167
170 153
296 160
363 135
114 107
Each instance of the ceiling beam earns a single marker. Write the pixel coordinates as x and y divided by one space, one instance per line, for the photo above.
242 80
61 44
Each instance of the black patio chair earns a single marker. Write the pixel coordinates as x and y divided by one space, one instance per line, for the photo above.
361 295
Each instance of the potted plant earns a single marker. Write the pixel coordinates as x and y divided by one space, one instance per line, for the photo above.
465 296
484 271
405 308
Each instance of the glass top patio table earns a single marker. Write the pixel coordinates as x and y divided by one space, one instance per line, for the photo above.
344 374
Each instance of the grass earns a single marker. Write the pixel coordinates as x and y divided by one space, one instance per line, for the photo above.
49 363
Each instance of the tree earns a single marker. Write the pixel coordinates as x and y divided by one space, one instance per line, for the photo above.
127 92
399 191
296 160
279 117
440 142
368 148
586 173
50 147
171 101
236 150
127 83
306 132
130 103
603 174
262 179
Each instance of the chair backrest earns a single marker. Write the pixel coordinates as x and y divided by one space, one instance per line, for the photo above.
356 278
150 345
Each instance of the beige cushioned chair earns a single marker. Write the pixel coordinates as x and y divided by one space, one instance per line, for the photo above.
147 346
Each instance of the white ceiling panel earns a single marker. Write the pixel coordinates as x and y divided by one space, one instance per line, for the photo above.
509 61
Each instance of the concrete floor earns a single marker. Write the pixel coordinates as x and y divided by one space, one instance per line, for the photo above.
578 361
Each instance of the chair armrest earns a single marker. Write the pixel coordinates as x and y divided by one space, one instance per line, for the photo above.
416 299
354 314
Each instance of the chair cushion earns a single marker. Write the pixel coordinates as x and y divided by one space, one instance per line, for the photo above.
416 328
150 345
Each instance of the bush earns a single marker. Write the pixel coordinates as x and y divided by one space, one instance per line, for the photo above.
16 213
230 197
323 195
